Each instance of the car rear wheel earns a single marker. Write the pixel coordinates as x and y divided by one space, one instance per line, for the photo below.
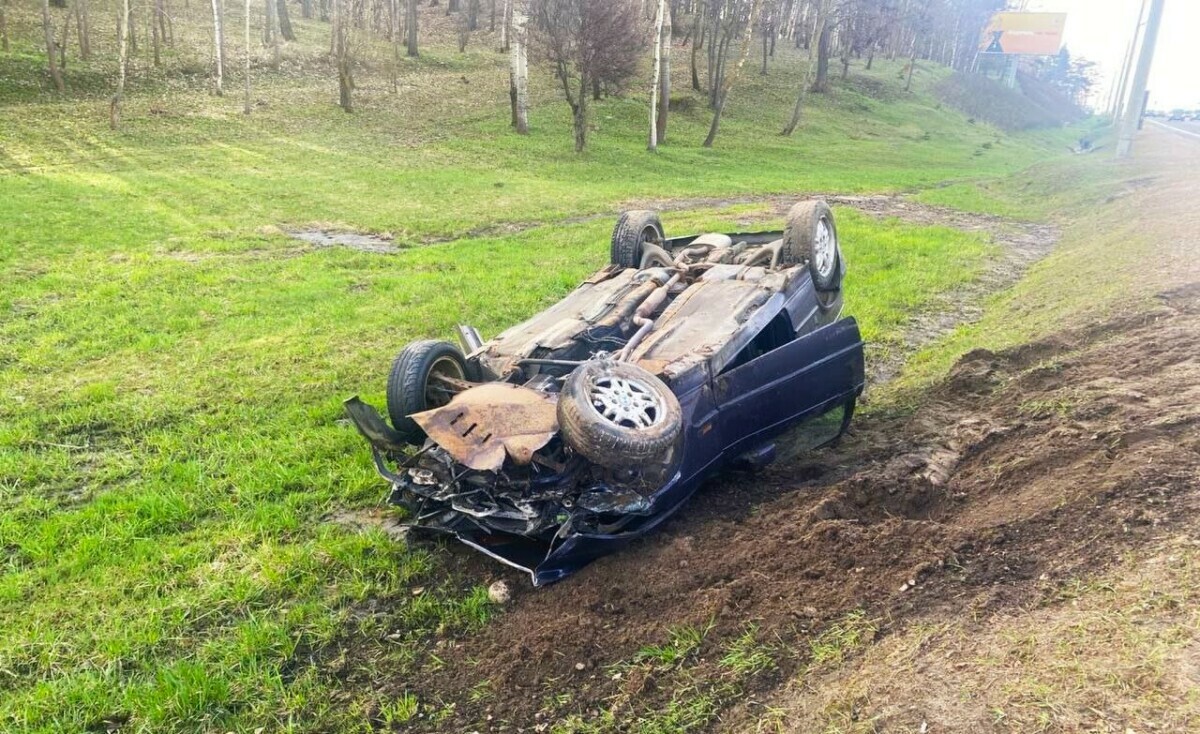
811 237
618 415
634 229
413 386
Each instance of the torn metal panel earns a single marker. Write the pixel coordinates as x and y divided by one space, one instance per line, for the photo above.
481 426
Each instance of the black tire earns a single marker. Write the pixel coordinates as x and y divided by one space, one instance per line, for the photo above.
409 390
634 229
616 442
805 242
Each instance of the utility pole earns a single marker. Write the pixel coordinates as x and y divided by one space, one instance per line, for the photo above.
1133 110
1118 106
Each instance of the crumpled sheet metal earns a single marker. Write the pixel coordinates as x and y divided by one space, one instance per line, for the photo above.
479 427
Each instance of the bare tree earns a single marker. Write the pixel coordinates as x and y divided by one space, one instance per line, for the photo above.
51 58
505 25
83 30
518 64
271 31
664 85
218 50
729 79
3 27
699 13
156 41
584 41
659 77
806 83
410 28
114 111
343 18
285 20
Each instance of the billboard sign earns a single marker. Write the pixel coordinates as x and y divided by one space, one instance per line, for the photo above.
1034 34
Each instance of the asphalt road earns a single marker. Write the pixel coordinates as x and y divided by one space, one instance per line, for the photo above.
1189 129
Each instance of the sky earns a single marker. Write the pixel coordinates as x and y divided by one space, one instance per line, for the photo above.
1100 30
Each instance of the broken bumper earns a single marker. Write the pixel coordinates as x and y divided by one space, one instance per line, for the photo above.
548 555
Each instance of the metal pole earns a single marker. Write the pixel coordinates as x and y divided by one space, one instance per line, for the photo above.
1141 77
1127 67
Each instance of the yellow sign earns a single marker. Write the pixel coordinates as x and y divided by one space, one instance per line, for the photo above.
1036 34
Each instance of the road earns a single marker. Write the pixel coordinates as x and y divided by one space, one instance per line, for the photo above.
1190 129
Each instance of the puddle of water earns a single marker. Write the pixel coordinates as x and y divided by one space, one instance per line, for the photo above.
353 240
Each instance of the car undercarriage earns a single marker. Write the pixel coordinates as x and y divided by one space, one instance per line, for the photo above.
597 417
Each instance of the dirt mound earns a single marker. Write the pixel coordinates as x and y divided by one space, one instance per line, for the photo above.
1024 467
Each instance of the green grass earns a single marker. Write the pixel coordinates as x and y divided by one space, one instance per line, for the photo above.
172 448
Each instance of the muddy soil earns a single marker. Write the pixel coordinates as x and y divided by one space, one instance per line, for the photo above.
1023 469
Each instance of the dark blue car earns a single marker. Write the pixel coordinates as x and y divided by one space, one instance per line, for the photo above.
592 422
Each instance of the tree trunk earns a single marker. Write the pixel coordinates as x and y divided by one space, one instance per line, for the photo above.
218 49
798 108
472 15
155 39
62 46
657 83
114 110
821 83
579 117
912 64
306 9
506 27
765 49
82 32
341 45
697 41
518 65
492 16
729 80
395 32
132 32
246 60
664 85
3 27
285 20
51 56
410 28
272 32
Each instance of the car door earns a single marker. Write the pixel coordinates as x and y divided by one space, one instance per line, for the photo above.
800 379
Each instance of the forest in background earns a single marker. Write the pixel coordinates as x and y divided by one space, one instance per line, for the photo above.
584 49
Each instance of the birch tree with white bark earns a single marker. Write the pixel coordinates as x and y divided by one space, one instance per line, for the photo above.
656 85
518 65
114 110
218 50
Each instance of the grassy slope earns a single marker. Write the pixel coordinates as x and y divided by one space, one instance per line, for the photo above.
1121 644
172 365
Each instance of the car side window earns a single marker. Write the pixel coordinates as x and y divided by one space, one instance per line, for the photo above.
775 334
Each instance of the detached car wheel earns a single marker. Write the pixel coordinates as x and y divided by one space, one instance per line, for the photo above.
412 385
618 415
811 236
634 229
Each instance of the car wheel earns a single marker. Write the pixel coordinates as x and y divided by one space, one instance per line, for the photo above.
618 415
410 388
634 229
811 237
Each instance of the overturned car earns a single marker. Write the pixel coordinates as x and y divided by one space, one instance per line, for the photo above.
592 422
